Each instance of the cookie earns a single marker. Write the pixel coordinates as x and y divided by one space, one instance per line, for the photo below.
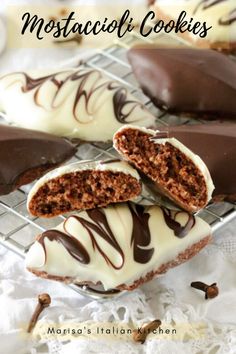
120 246
75 103
199 83
26 155
218 14
215 144
175 171
83 185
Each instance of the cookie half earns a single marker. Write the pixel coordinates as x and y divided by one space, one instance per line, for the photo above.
175 170
84 185
215 144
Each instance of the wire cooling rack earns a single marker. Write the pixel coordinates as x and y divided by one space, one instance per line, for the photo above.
18 229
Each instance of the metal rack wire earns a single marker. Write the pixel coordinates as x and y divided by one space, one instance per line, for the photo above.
18 229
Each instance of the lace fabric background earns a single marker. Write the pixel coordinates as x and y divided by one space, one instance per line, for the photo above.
169 298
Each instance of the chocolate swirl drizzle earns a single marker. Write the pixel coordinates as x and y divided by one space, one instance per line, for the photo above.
120 102
179 230
102 228
85 89
141 236
72 245
207 4
226 20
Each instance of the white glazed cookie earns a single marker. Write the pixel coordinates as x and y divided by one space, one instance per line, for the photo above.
84 185
220 14
75 103
3 37
119 246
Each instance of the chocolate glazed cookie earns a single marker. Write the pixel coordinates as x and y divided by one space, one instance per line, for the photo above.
199 83
26 155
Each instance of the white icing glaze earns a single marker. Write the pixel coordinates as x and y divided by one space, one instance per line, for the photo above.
132 126
211 15
166 247
176 143
3 37
119 166
81 103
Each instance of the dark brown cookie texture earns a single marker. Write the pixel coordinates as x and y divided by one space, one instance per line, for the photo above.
201 83
26 155
83 185
174 170
216 145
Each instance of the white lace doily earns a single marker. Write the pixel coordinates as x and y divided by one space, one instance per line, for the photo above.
169 298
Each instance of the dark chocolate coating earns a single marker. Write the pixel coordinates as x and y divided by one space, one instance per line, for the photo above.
216 145
200 82
26 155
